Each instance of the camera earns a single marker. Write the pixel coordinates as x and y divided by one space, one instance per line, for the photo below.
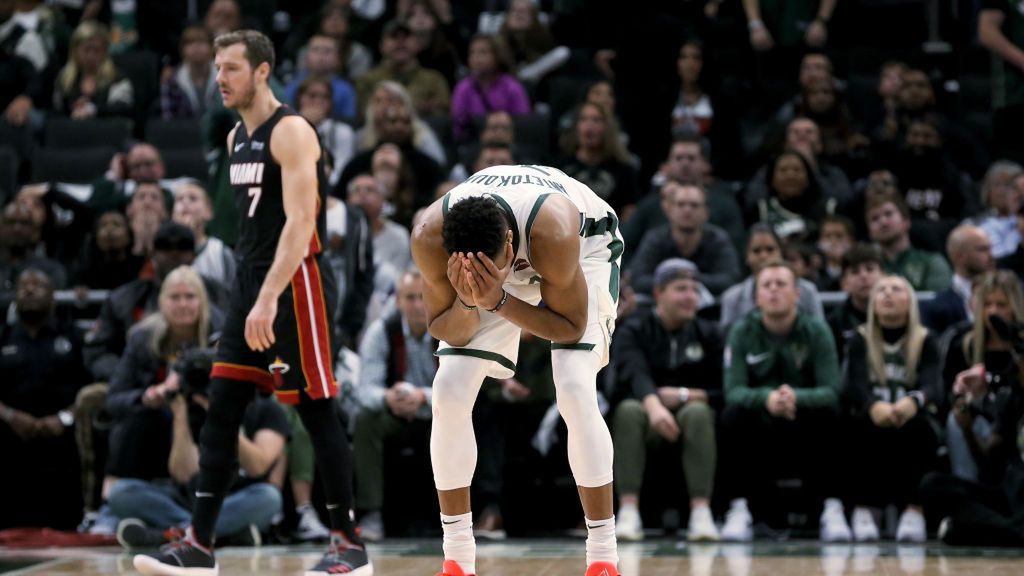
193 366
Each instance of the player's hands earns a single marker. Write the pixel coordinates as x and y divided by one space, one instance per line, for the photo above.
485 279
457 277
259 325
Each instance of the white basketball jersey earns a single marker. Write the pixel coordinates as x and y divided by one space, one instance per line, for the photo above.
521 191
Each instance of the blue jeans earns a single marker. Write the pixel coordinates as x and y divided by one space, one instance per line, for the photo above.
960 458
156 503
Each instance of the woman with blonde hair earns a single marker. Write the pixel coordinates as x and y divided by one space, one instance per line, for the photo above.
979 358
594 154
894 381
90 85
391 99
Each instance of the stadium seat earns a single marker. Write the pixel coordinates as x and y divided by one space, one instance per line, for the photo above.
65 133
81 165
8 172
174 134
186 162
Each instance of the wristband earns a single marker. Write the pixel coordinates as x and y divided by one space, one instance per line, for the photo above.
684 395
464 305
755 25
504 298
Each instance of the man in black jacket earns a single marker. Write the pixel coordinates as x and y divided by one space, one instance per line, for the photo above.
669 377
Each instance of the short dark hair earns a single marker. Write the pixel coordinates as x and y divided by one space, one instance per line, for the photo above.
881 198
843 221
776 263
475 224
309 82
860 254
258 48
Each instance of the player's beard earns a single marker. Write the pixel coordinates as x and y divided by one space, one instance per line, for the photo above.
246 99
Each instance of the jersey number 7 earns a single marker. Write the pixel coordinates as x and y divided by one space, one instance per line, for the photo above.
254 193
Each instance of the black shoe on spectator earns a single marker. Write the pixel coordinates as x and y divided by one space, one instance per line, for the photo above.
133 533
183 556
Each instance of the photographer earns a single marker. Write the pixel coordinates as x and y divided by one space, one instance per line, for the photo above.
159 398
990 512
978 352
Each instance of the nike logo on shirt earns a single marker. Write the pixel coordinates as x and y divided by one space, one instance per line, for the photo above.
757 358
239 146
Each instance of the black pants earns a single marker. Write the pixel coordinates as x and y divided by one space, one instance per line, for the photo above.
759 449
890 462
981 515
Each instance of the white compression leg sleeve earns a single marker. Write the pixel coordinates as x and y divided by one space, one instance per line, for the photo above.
452 440
590 443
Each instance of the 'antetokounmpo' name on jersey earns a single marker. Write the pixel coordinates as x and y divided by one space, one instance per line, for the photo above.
500 181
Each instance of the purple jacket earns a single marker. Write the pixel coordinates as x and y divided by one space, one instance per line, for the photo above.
468 102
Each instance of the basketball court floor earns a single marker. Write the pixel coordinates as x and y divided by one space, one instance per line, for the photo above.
564 558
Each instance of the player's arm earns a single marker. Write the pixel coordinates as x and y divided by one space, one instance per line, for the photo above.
296 148
555 254
231 139
446 319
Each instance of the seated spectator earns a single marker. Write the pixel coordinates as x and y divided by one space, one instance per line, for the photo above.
593 154
489 154
1015 260
394 393
794 203
409 175
435 37
862 268
142 164
429 91
804 136
700 112
895 386
42 372
687 162
322 59
970 251
173 246
890 83
781 405
1002 193
986 513
763 246
21 249
978 354
192 88
497 129
64 221
838 235
888 220
89 85
655 405
107 260
22 66
391 117
313 101
535 52
335 20
222 16
487 88
391 252
214 260
148 384
688 235
804 259
935 190
350 251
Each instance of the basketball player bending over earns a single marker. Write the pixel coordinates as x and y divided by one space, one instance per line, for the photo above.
490 251
277 333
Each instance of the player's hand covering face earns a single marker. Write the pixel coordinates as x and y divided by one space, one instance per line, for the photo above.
457 275
484 277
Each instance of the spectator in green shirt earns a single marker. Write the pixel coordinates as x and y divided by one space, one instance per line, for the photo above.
781 405
888 220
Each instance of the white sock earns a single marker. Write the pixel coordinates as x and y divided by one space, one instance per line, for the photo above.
459 544
601 545
307 507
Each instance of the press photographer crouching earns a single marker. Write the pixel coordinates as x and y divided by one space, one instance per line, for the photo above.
988 511
158 398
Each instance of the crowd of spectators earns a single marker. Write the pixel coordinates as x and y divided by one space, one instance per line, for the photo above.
821 308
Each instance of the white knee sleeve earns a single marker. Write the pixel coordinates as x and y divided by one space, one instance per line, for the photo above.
590 443
452 440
